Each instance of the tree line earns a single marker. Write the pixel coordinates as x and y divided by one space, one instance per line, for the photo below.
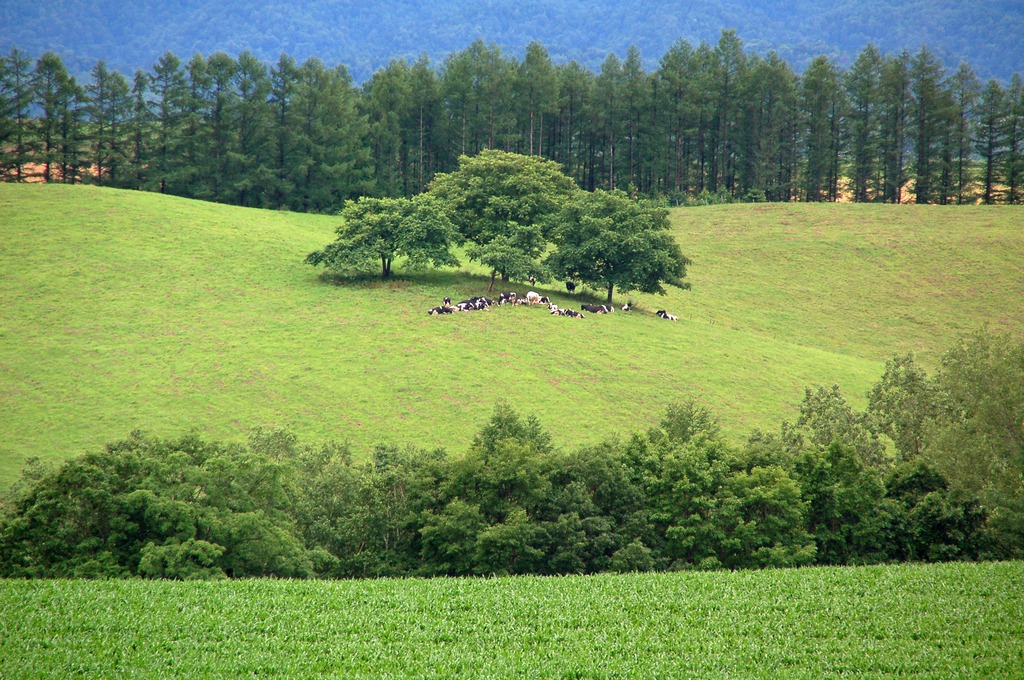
931 470
712 123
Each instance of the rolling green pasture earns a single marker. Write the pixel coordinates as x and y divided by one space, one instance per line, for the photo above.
928 621
123 310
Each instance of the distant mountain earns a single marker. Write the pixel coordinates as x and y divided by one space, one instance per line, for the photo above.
365 35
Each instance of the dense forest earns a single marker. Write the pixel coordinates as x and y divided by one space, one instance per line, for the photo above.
713 122
930 471
366 35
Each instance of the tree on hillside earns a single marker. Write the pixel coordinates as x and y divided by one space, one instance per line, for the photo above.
930 106
1013 133
169 92
499 202
608 240
978 440
864 140
990 143
54 91
895 98
16 90
381 229
824 105
965 90
108 109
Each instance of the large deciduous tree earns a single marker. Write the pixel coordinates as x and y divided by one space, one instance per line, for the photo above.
608 240
500 202
381 229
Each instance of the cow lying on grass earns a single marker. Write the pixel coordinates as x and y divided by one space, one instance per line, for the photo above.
665 315
566 312
599 309
474 303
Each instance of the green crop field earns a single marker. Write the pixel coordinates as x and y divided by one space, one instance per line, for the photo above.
123 310
929 621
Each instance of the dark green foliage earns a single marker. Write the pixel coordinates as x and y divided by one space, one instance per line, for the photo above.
177 509
902 403
607 240
675 497
713 123
500 202
978 435
16 97
929 522
377 230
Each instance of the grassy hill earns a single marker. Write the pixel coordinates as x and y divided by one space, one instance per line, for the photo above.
125 310
935 621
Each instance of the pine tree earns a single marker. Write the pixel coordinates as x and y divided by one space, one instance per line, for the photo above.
731 66
17 91
286 159
575 87
54 94
823 107
332 136
251 174
71 163
192 176
607 106
990 141
426 109
767 150
222 129
965 91
1013 163
386 99
139 131
170 95
894 97
637 103
675 80
108 111
862 83
930 103
536 91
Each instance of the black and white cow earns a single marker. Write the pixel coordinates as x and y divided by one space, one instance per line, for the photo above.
627 307
665 315
434 311
599 309
507 298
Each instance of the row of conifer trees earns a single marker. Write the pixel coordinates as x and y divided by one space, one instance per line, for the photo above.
712 122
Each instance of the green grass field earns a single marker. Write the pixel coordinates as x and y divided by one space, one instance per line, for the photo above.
123 310
927 621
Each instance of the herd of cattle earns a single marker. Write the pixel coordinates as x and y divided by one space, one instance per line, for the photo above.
531 298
